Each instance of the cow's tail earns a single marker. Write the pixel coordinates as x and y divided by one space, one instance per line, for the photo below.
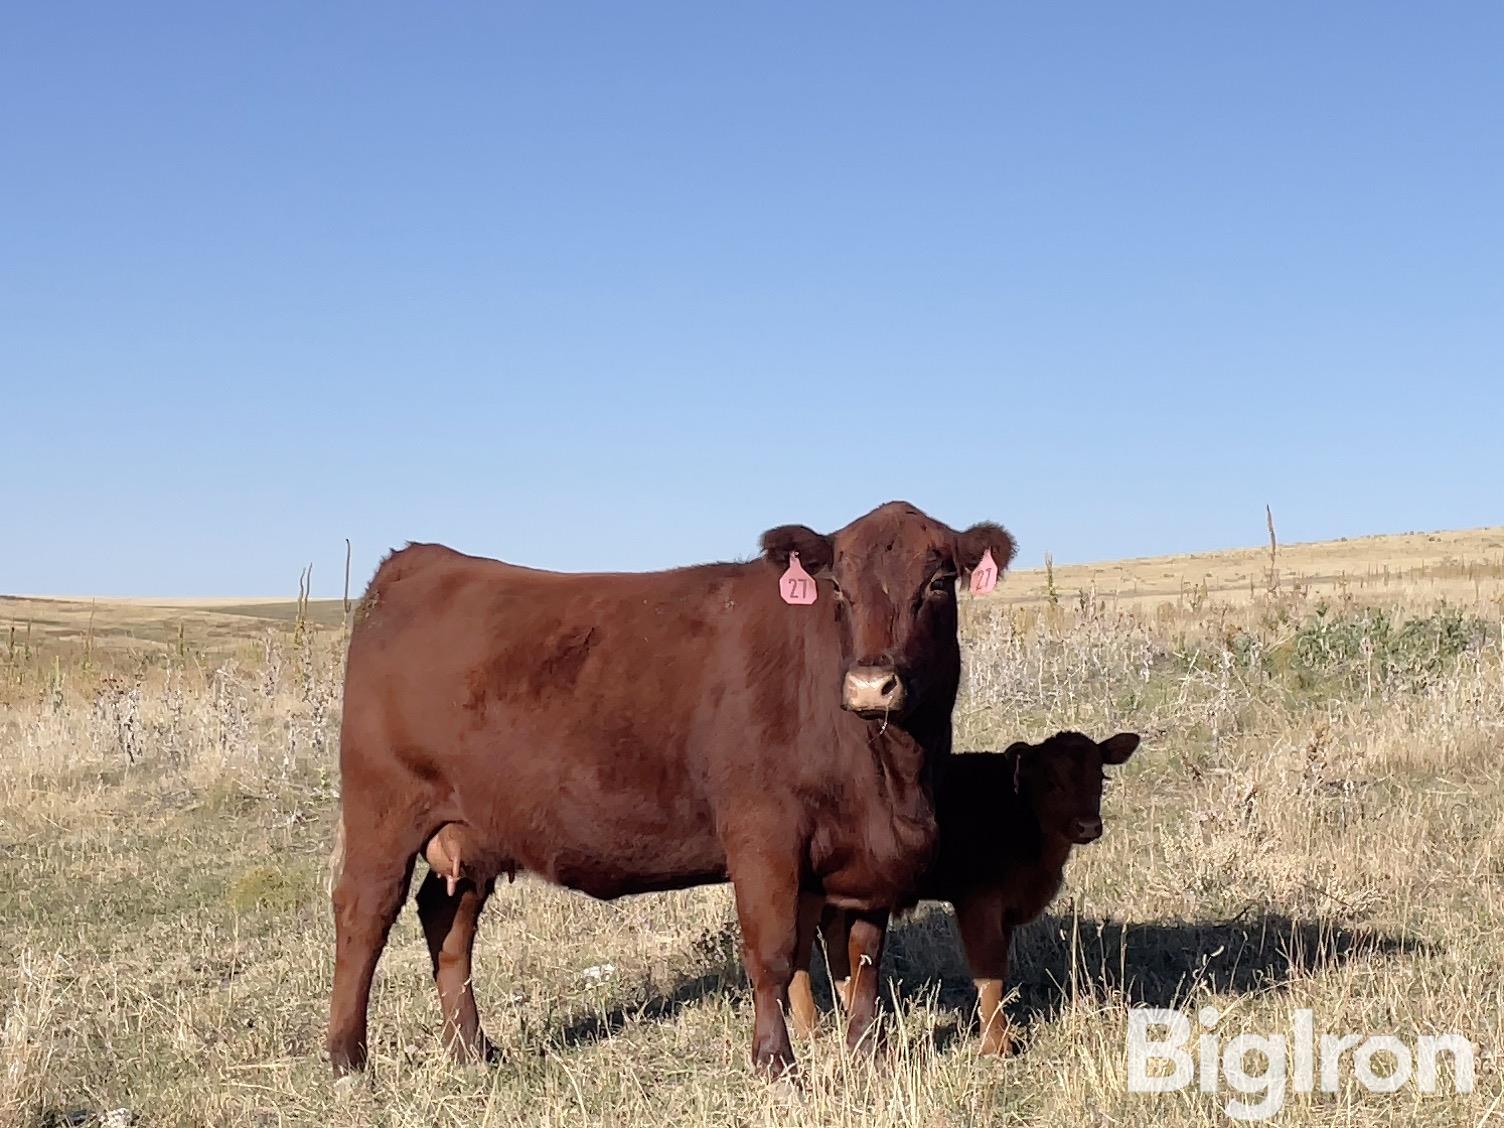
336 855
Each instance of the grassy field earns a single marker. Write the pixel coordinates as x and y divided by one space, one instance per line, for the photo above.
1316 820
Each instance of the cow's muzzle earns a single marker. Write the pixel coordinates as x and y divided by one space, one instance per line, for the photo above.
873 691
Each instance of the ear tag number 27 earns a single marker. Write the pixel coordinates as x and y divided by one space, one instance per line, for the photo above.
984 575
796 586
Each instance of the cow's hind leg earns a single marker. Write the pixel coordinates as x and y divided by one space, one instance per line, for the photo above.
367 898
864 946
449 924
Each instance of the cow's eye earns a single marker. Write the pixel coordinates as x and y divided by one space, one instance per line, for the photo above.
941 585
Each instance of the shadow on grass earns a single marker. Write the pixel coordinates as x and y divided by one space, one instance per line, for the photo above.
1148 964
715 952
655 1006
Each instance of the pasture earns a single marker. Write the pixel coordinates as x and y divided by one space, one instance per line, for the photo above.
1315 820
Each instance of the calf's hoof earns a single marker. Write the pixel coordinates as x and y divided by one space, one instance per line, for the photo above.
999 1042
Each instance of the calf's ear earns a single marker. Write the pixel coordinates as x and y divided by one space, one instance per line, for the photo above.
815 551
980 539
1018 750
1117 749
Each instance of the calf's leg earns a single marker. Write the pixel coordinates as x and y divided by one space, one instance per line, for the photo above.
835 931
449 922
802 1011
987 939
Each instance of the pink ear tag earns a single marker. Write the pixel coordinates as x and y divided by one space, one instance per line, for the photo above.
984 575
796 585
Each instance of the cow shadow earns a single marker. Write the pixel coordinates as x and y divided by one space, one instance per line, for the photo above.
715 957
654 1005
1160 963
1059 957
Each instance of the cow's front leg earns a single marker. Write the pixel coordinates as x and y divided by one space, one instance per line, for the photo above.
767 907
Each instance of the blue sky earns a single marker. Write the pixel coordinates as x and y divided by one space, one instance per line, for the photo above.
607 286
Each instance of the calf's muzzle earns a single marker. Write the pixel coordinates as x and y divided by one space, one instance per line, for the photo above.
1086 830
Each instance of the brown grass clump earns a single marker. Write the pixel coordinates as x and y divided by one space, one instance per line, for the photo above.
1316 820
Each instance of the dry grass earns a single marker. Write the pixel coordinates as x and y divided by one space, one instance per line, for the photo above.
1456 564
1316 820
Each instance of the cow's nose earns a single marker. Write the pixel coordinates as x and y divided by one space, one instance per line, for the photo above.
1088 830
873 690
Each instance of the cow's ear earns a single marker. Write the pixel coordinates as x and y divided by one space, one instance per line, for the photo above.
1117 749
815 551
980 539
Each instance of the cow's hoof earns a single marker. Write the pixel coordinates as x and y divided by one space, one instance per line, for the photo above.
775 1067
788 1091
346 1064
348 1084
484 1056
481 1054
862 1040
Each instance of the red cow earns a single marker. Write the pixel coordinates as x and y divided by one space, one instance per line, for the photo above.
621 733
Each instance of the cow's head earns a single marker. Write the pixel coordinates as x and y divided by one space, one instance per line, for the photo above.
1061 781
892 576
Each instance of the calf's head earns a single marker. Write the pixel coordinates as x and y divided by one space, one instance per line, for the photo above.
892 576
1061 780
